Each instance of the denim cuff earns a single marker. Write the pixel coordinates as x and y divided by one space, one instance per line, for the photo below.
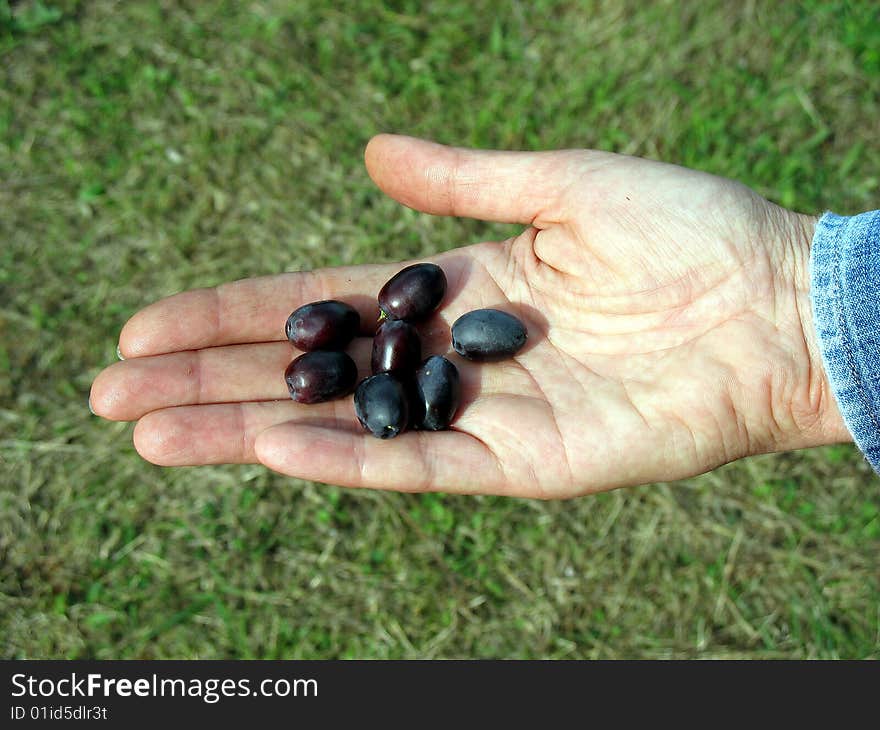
845 296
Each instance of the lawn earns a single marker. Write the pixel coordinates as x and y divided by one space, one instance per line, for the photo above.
151 147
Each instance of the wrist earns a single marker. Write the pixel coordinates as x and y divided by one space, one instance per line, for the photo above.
814 416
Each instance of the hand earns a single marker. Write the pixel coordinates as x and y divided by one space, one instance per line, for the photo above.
669 319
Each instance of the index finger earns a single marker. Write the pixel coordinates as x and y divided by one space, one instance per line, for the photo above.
249 310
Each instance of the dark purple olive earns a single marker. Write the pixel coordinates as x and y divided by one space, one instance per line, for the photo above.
488 334
437 393
397 346
327 325
413 293
381 405
320 375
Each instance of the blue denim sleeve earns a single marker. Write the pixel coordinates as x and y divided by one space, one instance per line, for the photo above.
845 296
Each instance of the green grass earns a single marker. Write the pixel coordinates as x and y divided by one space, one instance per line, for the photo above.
149 147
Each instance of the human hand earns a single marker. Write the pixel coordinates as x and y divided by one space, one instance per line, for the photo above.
669 332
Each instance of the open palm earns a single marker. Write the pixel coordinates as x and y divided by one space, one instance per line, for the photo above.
669 333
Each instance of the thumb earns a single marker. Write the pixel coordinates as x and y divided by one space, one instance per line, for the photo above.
507 187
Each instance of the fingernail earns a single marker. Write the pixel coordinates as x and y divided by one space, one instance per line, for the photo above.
119 353
91 410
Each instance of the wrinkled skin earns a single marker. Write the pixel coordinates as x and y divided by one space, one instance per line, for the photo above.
669 332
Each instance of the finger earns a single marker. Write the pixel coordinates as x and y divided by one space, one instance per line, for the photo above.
225 433
509 187
417 461
127 390
253 373
250 310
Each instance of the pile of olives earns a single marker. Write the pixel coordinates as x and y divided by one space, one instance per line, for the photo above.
403 391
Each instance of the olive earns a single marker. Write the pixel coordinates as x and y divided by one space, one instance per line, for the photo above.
381 405
397 346
488 334
413 293
320 375
437 391
326 325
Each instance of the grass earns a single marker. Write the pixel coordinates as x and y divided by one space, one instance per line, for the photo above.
150 147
